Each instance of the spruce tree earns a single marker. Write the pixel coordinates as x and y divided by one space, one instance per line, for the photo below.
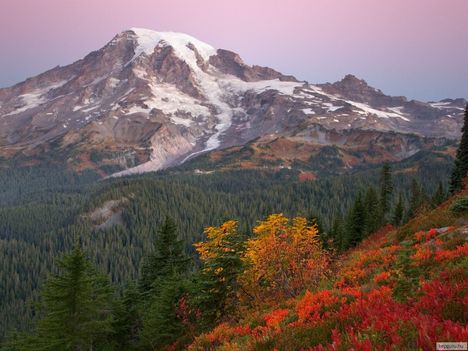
460 169
372 209
338 233
356 224
162 324
439 195
399 212
168 258
127 320
386 189
75 308
216 284
416 198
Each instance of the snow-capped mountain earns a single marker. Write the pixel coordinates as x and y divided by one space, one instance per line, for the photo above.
149 100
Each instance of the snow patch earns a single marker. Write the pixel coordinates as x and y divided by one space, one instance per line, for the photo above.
181 121
113 82
330 107
148 40
139 73
365 109
30 101
89 108
444 105
308 111
369 110
36 97
235 84
57 85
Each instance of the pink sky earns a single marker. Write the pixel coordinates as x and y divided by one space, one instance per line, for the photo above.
417 48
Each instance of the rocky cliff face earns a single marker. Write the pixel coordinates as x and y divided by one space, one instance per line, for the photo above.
150 100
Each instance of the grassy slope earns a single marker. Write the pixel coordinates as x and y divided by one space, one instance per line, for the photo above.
401 289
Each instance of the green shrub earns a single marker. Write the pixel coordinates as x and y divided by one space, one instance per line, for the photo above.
460 205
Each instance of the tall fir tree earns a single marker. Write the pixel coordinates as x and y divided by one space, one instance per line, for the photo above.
167 259
439 195
162 323
162 283
386 190
372 209
338 232
398 212
216 282
356 223
460 169
75 309
416 198
126 323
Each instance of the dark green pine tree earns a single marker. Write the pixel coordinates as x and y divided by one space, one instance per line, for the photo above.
127 320
439 195
372 209
386 189
398 212
168 258
163 323
338 233
356 223
460 169
416 198
216 285
75 309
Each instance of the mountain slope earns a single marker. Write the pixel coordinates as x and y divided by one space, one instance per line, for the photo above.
149 100
401 289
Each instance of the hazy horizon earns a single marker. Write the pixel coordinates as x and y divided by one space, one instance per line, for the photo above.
418 49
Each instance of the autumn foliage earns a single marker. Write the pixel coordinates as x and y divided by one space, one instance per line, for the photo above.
386 296
282 259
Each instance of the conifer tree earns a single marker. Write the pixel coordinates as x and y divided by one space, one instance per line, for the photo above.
338 233
356 224
460 169
398 212
416 198
75 308
439 195
386 189
162 283
127 319
217 281
372 210
168 258
162 325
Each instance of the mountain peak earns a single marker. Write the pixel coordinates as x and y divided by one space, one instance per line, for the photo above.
161 98
352 80
147 40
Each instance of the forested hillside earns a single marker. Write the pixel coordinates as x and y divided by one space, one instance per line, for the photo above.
43 211
400 289
276 287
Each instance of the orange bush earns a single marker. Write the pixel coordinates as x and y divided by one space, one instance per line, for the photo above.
283 259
